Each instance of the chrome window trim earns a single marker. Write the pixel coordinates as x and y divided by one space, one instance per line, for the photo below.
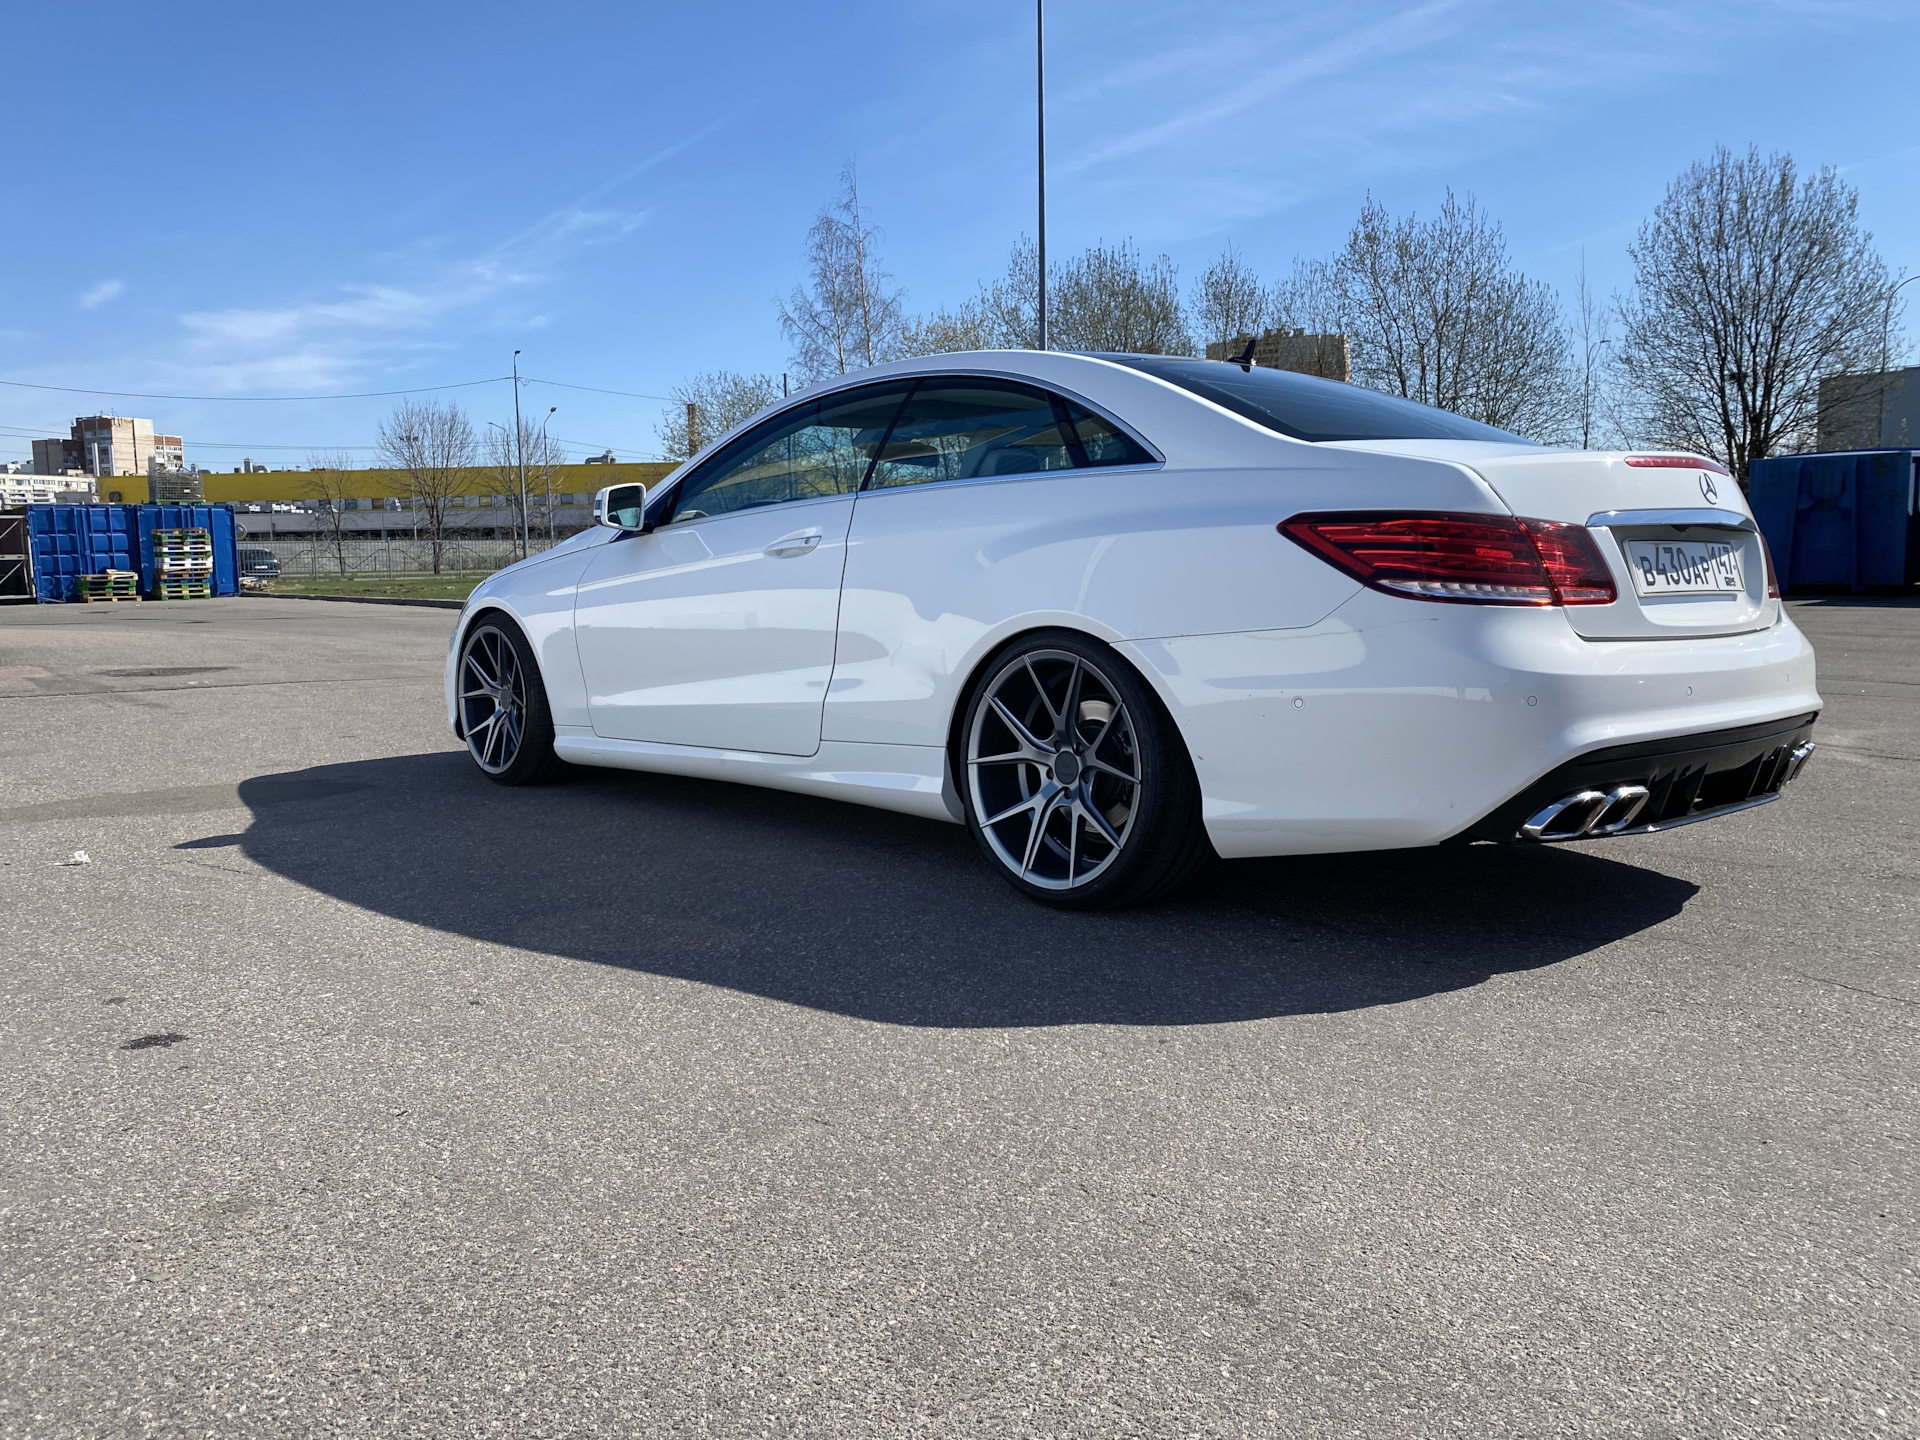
1719 519
697 520
670 484
1153 468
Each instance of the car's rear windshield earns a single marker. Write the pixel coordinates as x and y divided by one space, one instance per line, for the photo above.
1309 408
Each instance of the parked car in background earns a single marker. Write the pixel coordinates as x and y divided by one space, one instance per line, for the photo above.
1117 613
258 563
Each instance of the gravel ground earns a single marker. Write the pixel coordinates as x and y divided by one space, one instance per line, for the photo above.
344 1093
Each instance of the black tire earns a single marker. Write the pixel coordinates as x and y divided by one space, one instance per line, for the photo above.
1130 779
504 715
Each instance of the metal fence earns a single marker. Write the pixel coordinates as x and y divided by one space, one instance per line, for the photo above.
390 557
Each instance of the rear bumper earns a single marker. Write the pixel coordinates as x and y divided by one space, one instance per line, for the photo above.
1684 779
1394 723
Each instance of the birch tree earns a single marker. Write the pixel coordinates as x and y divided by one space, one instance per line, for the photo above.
848 315
1230 301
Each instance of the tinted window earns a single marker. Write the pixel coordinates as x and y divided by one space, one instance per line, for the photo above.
811 451
1100 442
972 429
1309 408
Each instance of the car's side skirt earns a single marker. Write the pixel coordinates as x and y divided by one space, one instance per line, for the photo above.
911 779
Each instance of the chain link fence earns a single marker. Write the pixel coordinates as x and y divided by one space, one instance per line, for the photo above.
368 558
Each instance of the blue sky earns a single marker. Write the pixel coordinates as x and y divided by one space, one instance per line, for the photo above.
279 201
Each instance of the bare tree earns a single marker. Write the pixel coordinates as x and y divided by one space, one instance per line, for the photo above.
1106 299
1751 282
968 327
1437 313
707 406
1229 302
1010 306
327 485
1590 341
434 444
498 475
545 457
1308 299
849 317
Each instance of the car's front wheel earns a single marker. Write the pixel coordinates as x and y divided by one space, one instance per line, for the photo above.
503 705
1076 784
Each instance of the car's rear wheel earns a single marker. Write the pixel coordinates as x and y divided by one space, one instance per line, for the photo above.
503 705
1076 784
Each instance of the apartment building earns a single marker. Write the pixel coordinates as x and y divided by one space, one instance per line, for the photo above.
108 445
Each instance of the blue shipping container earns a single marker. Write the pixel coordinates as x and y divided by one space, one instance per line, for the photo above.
1838 520
67 541
217 520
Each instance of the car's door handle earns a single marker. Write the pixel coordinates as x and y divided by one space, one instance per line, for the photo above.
800 542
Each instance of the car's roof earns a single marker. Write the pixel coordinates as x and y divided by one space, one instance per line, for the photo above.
1185 428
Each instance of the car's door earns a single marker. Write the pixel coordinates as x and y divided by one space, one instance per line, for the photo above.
717 627
989 494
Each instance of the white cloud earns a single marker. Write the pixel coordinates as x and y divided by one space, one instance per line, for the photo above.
337 337
1256 109
101 293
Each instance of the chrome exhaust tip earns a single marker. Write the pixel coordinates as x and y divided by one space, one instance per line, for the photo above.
1797 760
1586 814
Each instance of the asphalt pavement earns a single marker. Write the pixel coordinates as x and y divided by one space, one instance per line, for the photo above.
342 1092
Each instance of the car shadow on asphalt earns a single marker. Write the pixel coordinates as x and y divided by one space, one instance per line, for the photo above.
898 920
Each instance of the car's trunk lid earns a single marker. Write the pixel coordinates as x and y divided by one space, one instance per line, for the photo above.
1664 528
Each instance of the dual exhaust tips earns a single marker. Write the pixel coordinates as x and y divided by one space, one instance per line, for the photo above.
1588 814
1595 814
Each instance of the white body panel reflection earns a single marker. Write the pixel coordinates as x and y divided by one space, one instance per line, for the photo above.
716 632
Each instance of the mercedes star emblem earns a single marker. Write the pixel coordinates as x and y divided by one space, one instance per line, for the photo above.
1707 488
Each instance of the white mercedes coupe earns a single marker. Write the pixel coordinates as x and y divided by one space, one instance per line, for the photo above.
1121 613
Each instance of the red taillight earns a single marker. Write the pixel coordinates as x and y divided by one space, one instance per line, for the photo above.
1466 559
1773 579
1579 575
1676 462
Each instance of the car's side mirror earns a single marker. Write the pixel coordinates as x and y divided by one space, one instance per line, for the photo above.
622 507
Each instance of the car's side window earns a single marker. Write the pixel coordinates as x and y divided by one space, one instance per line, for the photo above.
814 450
1101 442
971 429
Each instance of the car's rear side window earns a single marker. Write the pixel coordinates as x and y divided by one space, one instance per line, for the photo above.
1306 407
1101 442
965 428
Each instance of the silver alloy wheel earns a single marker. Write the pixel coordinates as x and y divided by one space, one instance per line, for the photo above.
1053 769
493 699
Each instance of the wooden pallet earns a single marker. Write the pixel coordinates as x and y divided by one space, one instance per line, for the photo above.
113 585
182 590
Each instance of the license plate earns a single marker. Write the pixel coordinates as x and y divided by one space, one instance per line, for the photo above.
1684 567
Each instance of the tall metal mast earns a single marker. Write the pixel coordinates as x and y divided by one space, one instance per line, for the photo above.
1040 77
520 450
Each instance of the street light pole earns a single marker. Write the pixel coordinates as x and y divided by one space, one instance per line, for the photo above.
546 471
520 446
1040 83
